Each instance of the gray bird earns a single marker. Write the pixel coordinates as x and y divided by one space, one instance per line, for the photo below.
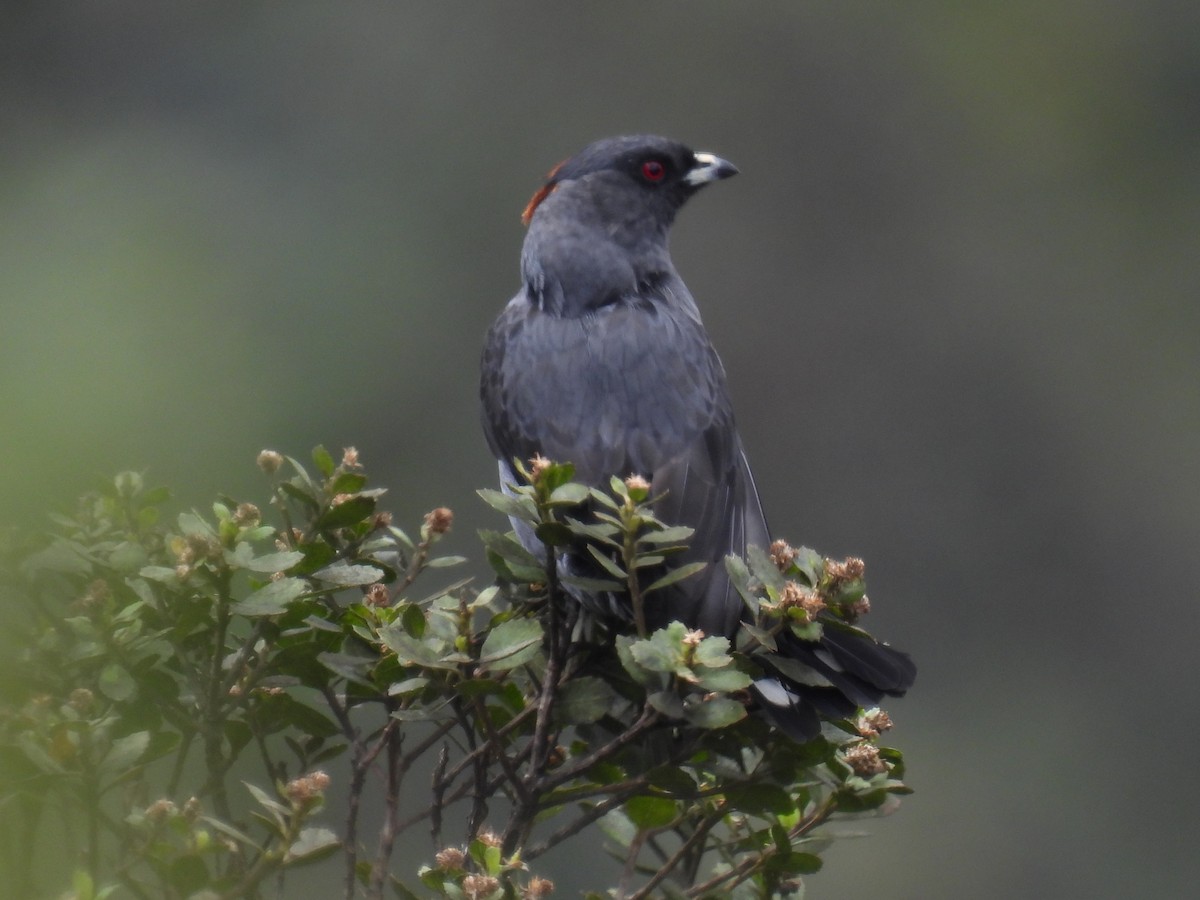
601 359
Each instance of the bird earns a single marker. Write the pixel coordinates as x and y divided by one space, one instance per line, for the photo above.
602 359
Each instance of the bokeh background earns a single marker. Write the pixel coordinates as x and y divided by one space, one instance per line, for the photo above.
955 289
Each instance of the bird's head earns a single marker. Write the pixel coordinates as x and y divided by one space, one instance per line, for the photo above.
623 179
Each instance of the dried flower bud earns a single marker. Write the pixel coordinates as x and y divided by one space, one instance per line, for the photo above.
872 722
782 554
160 810
382 519
795 596
693 638
81 700
192 809
858 608
864 759
438 521
377 595
537 888
270 461
537 466
847 570
488 838
637 485
247 514
339 499
476 887
96 594
450 859
350 458
307 787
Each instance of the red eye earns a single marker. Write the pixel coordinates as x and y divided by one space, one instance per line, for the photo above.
653 170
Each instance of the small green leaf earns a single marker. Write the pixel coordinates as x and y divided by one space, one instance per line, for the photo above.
412 619
672 535
511 644
553 534
348 483
350 511
760 797
270 562
348 576
607 563
116 683
323 460
311 845
715 713
125 751
713 652
651 812
675 575
410 651
726 679
763 568
272 598
192 524
569 494
583 700
519 507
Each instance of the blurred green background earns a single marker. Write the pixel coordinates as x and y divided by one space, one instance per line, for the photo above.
955 289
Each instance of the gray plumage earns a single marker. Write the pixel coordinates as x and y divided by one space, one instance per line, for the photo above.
601 359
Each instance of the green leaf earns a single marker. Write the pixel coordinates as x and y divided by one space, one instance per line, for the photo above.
761 798
583 700
650 812
553 534
311 845
410 651
192 524
718 712
763 568
323 460
268 563
125 751
345 575
607 563
792 863
663 650
511 644
601 532
444 562
569 494
727 679
518 563
350 511
519 507
672 535
116 683
412 619
272 598
675 575
713 652
348 483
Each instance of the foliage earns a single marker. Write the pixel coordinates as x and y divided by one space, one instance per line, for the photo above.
150 661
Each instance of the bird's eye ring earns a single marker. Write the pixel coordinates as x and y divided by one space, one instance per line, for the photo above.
653 170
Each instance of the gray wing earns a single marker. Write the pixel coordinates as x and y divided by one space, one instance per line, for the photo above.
634 387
